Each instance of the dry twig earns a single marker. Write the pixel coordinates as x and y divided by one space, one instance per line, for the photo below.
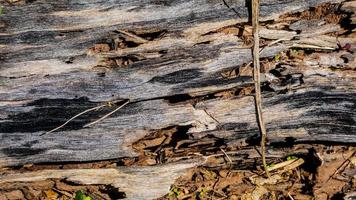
227 156
256 78
229 7
344 164
107 115
86 111
74 117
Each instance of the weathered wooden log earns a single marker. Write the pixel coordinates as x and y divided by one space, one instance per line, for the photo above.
309 113
173 61
178 52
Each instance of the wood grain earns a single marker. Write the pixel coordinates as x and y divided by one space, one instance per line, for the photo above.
136 182
170 60
178 52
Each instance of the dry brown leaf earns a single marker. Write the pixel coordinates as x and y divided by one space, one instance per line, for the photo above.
51 195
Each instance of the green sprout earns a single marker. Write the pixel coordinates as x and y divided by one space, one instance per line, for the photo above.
277 57
291 158
202 192
79 195
174 191
270 165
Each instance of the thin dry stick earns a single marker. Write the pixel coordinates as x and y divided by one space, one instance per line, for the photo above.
346 161
227 156
206 158
229 7
256 78
290 196
268 45
107 115
76 116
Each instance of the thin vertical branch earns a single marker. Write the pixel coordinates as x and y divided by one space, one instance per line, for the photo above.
257 80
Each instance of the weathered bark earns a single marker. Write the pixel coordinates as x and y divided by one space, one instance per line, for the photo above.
44 48
168 59
136 182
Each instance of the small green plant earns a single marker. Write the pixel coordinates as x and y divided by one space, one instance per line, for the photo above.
174 191
1 10
291 158
270 165
203 192
277 57
79 195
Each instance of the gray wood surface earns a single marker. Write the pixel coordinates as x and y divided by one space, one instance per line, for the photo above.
177 51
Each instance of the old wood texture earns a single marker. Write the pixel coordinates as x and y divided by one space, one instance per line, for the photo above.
136 182
175 61
176 52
